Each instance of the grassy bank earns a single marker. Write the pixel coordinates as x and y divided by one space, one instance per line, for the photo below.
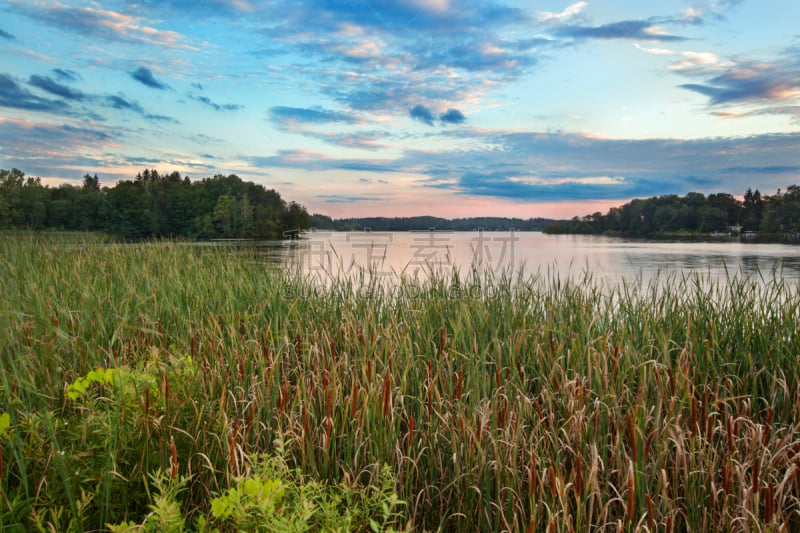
502 404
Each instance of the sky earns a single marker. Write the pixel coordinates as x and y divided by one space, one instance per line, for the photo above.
409 107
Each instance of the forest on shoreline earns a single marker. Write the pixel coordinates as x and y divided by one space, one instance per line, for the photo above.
424 223
756 216
152 205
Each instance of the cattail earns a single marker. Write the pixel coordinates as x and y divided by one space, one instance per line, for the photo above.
410 432
767 427
668 525
631 488
329 403
769 503
578 474
649 443
460 383
651 522
386 395
532 525
632 433
552 527
165 380
553 486
694 416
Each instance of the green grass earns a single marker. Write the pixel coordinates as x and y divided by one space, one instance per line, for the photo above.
500 404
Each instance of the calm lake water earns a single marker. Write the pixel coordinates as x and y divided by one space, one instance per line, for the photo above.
390 255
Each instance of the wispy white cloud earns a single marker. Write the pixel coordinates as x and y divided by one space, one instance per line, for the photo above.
568 13
100 23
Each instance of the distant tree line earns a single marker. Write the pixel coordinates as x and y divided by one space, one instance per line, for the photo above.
769 217
423 223
151 205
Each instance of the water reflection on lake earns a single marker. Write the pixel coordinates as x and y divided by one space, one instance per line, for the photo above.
390 255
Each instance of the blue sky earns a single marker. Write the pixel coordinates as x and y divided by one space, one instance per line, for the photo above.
409 107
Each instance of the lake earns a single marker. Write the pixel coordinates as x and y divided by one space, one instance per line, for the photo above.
390 255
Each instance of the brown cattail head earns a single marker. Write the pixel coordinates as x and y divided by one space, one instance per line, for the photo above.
694 416
769 503
651 517
767 426
532 525
578 475
649 443
631 495
232 446
165 381
329 403
756 469
553 485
